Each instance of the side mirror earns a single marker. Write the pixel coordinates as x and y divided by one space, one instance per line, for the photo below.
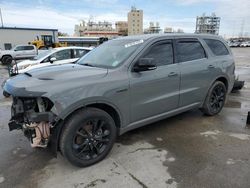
144 64
51 60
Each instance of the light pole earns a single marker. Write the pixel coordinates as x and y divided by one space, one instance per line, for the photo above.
1 17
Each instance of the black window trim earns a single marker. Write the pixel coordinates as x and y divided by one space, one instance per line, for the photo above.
72 54
188 40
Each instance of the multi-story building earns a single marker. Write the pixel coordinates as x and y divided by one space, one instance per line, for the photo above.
179 30
153 28
122 28
95 29
171 30
208 24
135 22
168 30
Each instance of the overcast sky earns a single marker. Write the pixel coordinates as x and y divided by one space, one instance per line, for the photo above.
64 14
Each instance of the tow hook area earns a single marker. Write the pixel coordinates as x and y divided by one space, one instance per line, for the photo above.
40 133
34 117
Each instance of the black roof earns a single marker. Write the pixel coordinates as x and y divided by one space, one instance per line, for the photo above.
151 36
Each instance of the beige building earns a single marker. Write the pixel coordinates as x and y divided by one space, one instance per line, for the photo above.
95 29
135 22
122 28
171 30
168 30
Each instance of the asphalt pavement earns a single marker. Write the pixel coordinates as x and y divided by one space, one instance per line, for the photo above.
187 150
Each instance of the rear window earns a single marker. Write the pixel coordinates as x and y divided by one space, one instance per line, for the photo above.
190 50
217 47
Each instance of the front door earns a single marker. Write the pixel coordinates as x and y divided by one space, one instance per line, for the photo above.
19 52
157 91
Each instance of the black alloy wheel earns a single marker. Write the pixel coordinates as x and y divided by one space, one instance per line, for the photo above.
91 139
87 136
215 99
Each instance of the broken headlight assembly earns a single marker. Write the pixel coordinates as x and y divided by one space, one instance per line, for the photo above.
34 117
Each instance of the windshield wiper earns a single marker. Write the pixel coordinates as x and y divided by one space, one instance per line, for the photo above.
87 64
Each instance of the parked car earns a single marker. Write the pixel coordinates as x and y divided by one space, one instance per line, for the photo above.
18 52
245 44
51 57
121 85
235 44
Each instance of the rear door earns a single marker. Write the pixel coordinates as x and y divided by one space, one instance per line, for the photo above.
29 51
157 91
222 56
197 71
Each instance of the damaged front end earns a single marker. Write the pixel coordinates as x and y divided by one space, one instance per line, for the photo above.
34 117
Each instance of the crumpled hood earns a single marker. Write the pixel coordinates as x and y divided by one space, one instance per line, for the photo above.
65 72
52 79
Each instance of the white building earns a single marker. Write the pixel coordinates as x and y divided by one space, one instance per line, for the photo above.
12 36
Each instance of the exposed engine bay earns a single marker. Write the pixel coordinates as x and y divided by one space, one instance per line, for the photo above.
34 118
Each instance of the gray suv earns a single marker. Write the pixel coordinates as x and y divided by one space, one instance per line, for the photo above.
80 109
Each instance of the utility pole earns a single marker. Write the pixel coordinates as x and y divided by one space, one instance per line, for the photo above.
1 17
242 28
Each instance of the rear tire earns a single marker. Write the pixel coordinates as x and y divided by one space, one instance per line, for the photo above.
215 99
87 137
7 60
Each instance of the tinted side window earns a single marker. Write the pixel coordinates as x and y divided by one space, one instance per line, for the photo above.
28 48
161 53
19 48
217 47
79 53
190 50
61 55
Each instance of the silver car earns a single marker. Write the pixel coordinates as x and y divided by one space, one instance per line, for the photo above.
121 85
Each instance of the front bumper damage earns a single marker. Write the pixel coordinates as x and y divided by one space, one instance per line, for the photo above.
33 116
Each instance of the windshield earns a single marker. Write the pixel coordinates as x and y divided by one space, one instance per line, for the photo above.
42 54
110 54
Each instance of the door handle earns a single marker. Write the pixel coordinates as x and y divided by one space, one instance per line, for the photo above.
211 66
171 74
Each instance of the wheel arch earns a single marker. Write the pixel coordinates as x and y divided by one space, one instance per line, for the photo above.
7 55
221 78
224 80
105 106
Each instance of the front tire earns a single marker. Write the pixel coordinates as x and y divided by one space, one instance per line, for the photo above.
7 60
87 137
6 94
215 99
